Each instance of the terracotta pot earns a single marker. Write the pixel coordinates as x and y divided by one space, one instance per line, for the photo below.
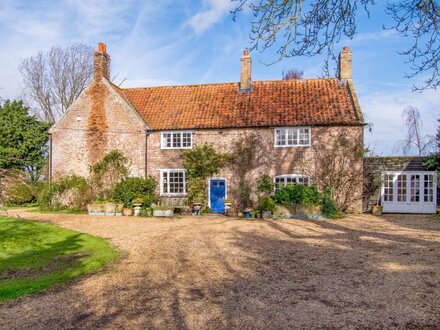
377 210
127 211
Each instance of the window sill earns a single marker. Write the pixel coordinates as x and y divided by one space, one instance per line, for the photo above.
170 148
294 146
172 195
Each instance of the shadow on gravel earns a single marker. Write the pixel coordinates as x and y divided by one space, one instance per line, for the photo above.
279 274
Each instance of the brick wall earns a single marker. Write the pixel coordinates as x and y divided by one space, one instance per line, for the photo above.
267 158
99 121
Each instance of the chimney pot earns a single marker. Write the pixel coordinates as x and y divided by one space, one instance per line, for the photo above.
246 72
102 48
345 63
101 63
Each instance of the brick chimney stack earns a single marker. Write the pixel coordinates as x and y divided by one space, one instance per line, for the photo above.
345 65
102 63
246 72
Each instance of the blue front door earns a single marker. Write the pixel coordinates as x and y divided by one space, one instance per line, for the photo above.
218 194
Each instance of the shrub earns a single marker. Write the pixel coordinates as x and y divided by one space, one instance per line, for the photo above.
37 188
266 204
106 173
328 205
244 193
298 194
131 188
19 194
265 185
203 161
196 190
68 192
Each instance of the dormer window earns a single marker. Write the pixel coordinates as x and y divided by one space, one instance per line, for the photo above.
176 140
293 137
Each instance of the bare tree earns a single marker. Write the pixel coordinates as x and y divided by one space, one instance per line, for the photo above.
292 74
53 80
307 28
415 142
437 136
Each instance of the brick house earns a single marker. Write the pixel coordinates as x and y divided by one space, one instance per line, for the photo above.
286 124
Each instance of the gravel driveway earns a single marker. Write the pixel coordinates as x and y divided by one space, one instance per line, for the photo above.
217 272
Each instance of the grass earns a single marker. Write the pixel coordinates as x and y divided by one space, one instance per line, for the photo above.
57 211
15 207
35 256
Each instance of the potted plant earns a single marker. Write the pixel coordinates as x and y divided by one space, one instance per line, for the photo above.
266 206
127 210
137 205
377 209
198 201
265 189
247 212
244 193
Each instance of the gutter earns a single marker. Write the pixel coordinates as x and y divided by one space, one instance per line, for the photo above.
147 134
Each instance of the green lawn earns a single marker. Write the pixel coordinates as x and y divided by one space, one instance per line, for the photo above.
35 256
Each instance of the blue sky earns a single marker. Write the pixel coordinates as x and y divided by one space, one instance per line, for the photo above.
195 41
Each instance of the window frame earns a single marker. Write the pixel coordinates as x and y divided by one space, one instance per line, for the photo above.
291 176
168 171
291 132
173 133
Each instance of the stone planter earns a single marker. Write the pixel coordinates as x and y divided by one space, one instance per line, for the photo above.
137 209
127 211
266 214
376 210
118 209
298 211
228 205
110 209
96 209
163 213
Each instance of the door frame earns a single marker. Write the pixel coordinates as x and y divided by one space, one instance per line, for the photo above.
209 188
408 206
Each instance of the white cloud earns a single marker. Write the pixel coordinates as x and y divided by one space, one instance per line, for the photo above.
373 36
215 11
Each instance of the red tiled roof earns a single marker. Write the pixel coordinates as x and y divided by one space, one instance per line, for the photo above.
270 103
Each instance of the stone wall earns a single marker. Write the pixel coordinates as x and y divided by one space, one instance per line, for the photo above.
98 121
266 158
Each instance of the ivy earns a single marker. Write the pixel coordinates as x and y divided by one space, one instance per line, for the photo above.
200 163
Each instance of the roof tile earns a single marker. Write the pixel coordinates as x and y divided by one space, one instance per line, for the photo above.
270 103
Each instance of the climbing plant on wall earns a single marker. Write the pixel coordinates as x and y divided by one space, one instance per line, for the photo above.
200 163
